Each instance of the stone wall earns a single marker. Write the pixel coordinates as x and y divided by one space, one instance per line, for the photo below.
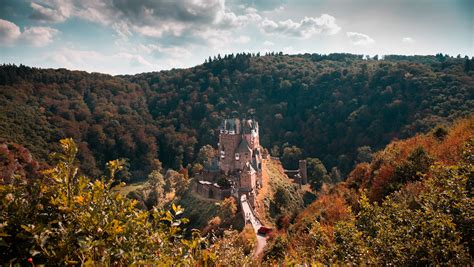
211 190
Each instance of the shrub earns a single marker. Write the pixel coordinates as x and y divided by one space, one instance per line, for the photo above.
65 218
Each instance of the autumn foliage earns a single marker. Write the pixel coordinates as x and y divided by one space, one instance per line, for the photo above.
413 204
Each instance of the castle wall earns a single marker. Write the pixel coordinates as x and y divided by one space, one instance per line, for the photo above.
209 190
248 180
228 144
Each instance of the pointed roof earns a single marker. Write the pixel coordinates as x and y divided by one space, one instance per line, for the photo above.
248 167
244 146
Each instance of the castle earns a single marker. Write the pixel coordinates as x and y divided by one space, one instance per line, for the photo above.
239 162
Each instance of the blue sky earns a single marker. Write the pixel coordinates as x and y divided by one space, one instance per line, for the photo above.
132 36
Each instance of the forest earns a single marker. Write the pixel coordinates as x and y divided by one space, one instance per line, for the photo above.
389 144
412 204
332 108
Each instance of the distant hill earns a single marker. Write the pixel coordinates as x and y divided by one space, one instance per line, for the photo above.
328 105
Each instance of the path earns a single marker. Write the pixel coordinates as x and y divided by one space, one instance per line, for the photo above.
250 216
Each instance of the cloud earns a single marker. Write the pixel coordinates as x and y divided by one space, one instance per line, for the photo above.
265 4
268 43
36 36
243 39
76 59
9 32
307 27
135 60
58 11
39 36
359 38
174 52
408 40
164 19
90 60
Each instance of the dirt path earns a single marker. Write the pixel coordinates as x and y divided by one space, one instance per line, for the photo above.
255 222
261 243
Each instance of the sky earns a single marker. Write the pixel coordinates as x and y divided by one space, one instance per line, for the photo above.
134 36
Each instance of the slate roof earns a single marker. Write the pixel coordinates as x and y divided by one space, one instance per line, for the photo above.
244 146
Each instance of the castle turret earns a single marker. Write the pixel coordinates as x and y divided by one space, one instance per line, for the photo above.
303 172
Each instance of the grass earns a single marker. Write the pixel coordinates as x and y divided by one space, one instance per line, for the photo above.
124 190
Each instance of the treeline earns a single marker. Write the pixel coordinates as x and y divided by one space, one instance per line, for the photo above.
328 106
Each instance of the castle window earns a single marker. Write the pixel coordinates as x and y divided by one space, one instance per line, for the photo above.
231 132
222 154
237 156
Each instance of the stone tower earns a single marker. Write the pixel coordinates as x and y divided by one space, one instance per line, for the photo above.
303 171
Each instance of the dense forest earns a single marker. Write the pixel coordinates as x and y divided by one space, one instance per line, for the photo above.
324 106
412 204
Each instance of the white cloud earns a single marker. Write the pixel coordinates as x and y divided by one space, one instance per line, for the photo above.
268 43
185 19
359 38
135 60
51 11
243 39
408 40
307 27
76 59
290 50
93 61
174 52
9 32
39 36
230 19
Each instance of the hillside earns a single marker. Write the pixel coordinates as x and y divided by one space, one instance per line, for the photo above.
412 204
326 105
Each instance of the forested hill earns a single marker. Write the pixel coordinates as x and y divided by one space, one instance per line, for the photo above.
326 105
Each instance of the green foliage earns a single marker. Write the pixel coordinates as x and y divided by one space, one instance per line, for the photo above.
176 182
66 218
287 200
413 169
232 250
291 156
206 154
328 105
364 154
427 220
433 228
277 249
317 173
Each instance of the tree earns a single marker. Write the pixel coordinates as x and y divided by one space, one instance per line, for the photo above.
467 65
336 175
227 209
176 181
291 157
317 173
364 154
206 154
157 189
68 219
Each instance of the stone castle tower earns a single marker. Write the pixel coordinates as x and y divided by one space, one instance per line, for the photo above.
240 154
